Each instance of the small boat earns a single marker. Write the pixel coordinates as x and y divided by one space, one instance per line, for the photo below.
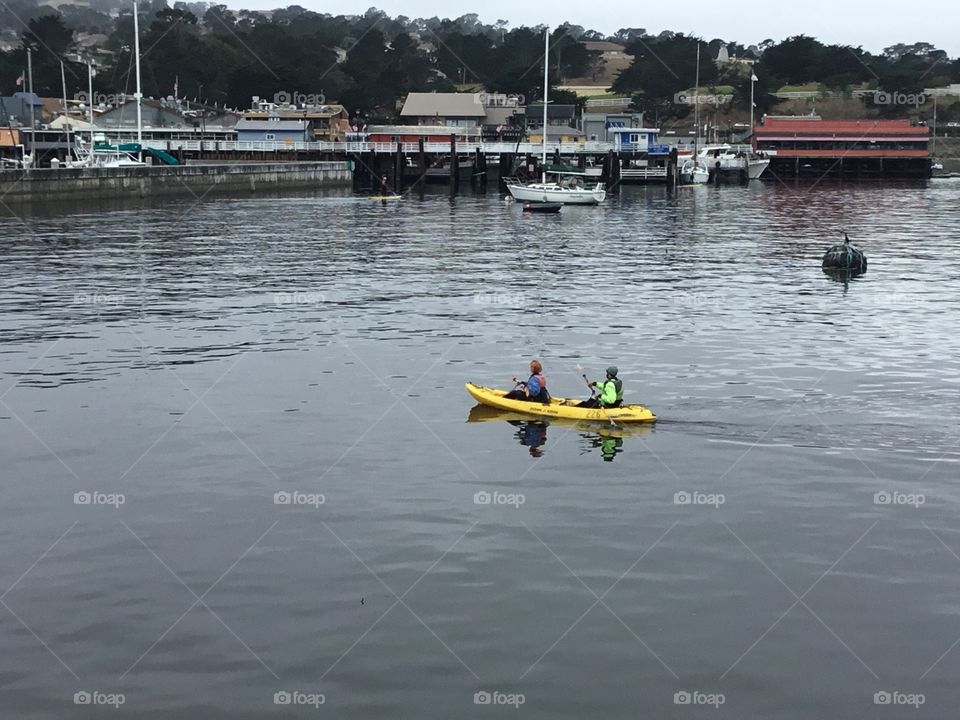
560 407
692 173
542 207
385 198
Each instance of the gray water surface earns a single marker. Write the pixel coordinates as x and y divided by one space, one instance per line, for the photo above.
199 358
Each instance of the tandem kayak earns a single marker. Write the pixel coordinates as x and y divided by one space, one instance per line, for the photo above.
560 407
601 428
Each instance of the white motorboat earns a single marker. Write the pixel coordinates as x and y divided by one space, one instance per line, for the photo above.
732 157
564 190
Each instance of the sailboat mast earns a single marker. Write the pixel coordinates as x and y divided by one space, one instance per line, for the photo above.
696 113
136 51
546 90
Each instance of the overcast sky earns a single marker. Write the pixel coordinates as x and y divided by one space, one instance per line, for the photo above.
874 25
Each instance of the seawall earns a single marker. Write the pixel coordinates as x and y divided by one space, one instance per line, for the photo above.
50 185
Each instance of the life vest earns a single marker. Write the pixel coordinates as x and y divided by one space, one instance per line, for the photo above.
617 386
543 395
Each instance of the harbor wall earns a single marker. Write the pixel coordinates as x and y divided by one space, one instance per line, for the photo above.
50 185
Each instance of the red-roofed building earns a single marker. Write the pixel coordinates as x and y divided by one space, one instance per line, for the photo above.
844 148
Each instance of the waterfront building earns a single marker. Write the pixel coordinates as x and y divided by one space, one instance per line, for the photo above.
274 130
812 146
451 109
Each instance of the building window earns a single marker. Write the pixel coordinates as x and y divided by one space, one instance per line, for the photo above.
270 136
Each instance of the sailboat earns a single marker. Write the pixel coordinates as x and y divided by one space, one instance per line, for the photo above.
692 172
567 188
101 153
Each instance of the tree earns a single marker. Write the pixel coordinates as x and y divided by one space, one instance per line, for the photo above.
49 39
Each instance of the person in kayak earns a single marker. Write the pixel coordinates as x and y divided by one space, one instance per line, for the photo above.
610 392
535 387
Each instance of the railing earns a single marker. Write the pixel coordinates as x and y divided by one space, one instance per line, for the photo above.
463 147
610 102
643 173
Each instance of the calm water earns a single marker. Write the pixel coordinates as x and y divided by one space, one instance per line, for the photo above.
181 364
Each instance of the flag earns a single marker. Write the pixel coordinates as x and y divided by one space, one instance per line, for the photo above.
20 80
754 78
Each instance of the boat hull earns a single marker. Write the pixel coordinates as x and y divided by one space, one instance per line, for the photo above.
560 408
487 414
756 168
538 192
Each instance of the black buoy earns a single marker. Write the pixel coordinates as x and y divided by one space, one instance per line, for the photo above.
846 257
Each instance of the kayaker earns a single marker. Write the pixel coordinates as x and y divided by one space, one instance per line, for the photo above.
385 187
535 387
610 391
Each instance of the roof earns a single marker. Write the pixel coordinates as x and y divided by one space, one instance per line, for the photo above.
322 111
27 97
268 125
559 131
828 129
419 104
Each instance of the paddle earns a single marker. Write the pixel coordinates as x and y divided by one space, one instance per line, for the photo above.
593 392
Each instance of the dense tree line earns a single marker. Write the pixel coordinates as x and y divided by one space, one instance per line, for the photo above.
368 62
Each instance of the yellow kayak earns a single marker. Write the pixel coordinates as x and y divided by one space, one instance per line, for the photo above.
603 428
384 198
560 407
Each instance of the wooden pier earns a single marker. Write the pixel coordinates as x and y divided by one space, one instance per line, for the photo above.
477 164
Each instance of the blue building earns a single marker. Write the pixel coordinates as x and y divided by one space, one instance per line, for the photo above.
16 109
638 139
274 130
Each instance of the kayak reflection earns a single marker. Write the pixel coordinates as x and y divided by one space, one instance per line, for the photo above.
532 434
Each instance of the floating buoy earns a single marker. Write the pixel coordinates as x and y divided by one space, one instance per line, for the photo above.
846 257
